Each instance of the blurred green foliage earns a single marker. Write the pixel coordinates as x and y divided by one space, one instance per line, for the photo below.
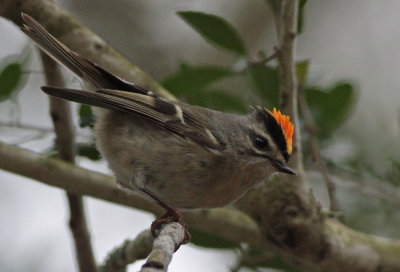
219 100
86 117
302 71
193 83
300 23
257 258
12 74
88 151
265 81
394 174
275 7
215 30
330 107
191 79
10 78
206 239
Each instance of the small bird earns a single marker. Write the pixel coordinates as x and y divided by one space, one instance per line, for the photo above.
182 156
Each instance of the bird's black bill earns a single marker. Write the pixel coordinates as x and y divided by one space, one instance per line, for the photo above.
284 169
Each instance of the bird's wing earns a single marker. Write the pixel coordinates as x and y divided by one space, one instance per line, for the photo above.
158 111
115 93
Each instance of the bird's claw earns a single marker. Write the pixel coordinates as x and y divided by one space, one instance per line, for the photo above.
172 215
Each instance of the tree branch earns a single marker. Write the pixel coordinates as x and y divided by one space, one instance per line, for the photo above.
128 252
60 112
284 208
169 239
226 223
287 74
78 180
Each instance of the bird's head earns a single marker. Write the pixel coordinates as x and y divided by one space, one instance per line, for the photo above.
269 139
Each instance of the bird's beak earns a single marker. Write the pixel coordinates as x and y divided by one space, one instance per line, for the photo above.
284 168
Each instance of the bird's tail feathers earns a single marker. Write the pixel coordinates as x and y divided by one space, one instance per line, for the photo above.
82 67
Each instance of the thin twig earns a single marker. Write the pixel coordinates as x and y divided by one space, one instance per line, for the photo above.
26 126
287 76
370 188
241 68
165 244
38 132
316 151
84 136
60 112
265 60
128 253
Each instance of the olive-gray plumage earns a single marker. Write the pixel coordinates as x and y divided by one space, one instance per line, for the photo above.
185 155
182 173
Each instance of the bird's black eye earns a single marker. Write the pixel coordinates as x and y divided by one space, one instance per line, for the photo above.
260 142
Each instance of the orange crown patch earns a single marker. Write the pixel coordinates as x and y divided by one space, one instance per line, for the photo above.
287 127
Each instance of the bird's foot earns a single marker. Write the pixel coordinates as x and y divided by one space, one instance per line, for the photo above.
172 215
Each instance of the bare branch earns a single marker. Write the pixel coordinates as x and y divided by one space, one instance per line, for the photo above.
60 112
128 253
287 75
169 239
26 126
78 180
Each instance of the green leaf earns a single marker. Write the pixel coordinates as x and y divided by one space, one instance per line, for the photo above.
217 100
300 20
10 78
275 6
206 239
302 71
330 108
86 117
89 151
191 79
215 30
266 82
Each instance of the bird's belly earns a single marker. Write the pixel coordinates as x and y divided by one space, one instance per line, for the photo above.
196 190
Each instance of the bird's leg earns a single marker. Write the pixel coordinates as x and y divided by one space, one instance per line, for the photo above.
172 215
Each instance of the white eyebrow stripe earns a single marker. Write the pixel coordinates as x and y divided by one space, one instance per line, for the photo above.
179 113
212 137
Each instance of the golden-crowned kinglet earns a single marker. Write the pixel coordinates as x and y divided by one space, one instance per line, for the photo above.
182 156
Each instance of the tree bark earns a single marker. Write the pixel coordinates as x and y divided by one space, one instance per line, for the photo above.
60 112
